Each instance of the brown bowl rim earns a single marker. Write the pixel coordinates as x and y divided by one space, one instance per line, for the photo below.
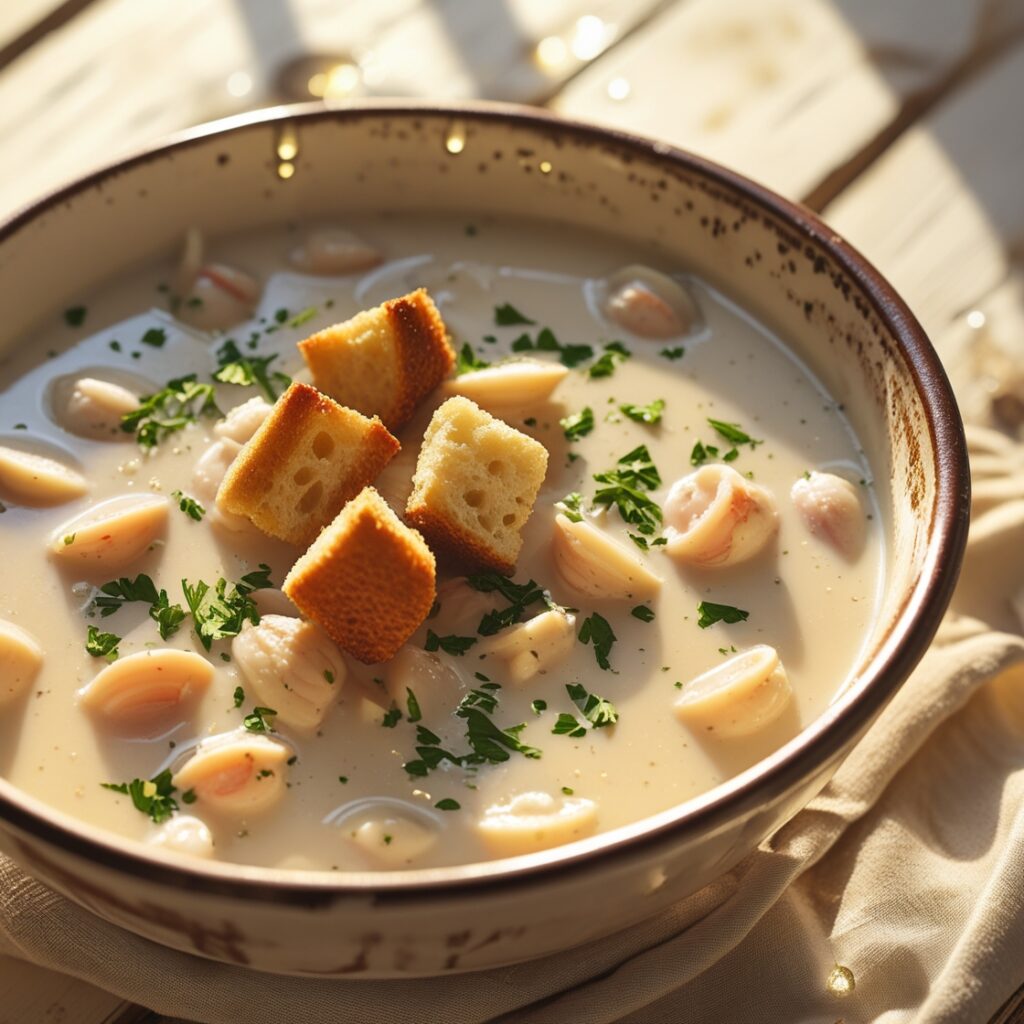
810 751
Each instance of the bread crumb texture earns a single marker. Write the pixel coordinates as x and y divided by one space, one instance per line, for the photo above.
368 580
385 360
475 484
307 459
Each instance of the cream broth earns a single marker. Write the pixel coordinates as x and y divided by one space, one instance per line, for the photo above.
349 804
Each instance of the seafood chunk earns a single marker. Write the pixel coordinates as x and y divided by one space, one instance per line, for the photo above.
520 382
21 658
236 773
38 480
536 821
334 251
831 509
738 697
211 296
435 684
112 534
94 409
184 834
142 691
391 835
593 563
649 304
210 468
715 517
293 667
243 421
533 647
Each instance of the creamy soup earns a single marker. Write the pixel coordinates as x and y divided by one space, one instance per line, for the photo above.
625 706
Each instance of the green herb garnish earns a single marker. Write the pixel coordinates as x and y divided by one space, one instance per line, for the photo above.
152 797
596 710
413 705
75 316
643 613
569 355
169 410
467 361
189 506
454 645
673 353
245 371
239 696
597 630
260 720
447 804
391 718
578 425
624 489
649 414
614 353
711 613
733 433
507 315
155 337
102 645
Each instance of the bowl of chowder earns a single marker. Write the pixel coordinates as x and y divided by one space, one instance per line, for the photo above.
748 509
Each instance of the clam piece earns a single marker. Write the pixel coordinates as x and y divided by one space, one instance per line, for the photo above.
211 296
143 691
433 682
293 667
184 834
518 383
244 420
94 409
536 821
533 647
236 773
21 658
37 480
737 698
591 562
210 468
391 836
831 509
715 517
112 534
650 304
334 251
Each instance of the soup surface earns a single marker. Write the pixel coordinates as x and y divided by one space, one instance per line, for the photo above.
356 791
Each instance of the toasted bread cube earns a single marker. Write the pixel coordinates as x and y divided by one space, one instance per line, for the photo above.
368 580
306 459
385 360
475 484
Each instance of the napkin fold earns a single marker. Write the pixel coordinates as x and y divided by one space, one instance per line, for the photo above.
894 896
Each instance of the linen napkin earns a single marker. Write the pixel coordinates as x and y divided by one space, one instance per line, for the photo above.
896 895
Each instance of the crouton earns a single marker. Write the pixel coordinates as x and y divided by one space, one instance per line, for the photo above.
306 459
383 361
475 484
368 580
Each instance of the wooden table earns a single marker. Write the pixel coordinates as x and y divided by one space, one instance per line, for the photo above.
900 122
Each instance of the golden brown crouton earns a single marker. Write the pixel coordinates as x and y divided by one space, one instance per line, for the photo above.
368 580
385 360
306 459
475 484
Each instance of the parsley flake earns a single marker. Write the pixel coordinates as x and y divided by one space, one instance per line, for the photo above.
239 696
673 353
155 337
391 718
189 506
153 797
467 361
710 613
102 645
578 425
569 507
506 315
733 433
643 613
415 714
624 489
614 353
596 710
567 725
539 706
75 316
171 409
247 371
649 414
597 630
260 720
448 804
569 355
454 645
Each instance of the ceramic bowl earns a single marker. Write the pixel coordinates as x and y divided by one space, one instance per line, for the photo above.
773 257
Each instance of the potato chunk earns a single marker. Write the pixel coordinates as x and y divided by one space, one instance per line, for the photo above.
21 658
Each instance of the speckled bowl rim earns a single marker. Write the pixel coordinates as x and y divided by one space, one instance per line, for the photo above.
806 754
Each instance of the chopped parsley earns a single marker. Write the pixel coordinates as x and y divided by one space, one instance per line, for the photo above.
447 804
329 676
171 409
568 791
614 353
569 507
102 645
260 720
69 539
153 797
74 316
189 506
733 433
467 361
650 414
189 796
539 706
221 611
507 315
238 696
391 718
597 630
117 593
454 645
673 353
596 710
569 355
519 595
413 705
155 337
624 489
643 613
567 725
700 453
302 317
246 371
578 425
711 613
343 779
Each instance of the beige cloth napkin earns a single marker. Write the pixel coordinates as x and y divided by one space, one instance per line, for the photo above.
908 870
